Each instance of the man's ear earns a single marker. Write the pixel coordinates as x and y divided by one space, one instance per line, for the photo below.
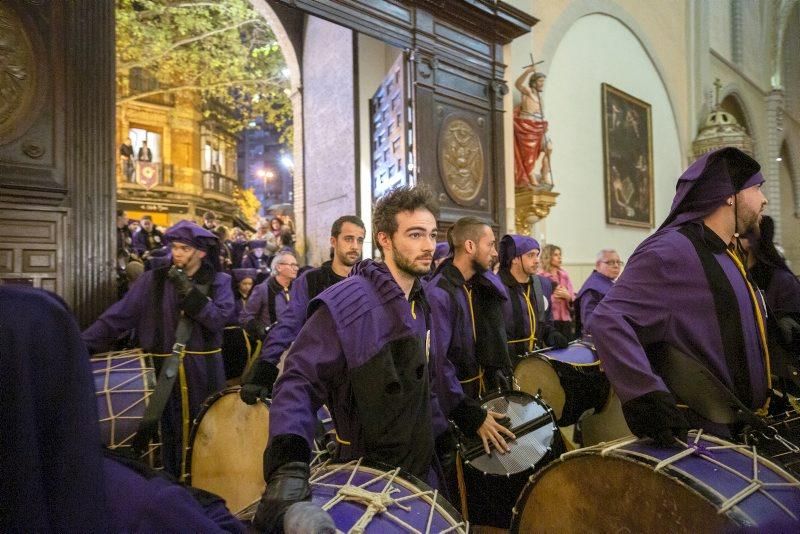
383 240
201 254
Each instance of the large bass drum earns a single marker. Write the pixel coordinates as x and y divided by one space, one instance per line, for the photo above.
226 453
123 384
630 485
493 481
569 380
376 500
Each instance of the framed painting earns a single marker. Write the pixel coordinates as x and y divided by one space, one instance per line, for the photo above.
627 159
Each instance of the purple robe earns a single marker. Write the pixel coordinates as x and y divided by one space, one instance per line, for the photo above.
55 478
453 324
205 374
681 288
267 302
349 332
139 504
591 293
783 293
307 286
517 318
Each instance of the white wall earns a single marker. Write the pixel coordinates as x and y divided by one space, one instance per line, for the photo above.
720 21
572 98
374 60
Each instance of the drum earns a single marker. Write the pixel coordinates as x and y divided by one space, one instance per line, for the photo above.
347 490
782 445
236 350
123 383
494 481
226 452
630 485
569 380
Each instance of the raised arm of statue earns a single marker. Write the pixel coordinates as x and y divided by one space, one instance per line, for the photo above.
522 82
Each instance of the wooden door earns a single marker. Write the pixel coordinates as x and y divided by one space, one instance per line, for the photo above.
390 130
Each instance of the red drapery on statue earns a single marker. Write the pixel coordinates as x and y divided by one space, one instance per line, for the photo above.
528 144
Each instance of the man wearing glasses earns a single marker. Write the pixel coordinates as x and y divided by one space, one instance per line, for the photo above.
606 270
270 298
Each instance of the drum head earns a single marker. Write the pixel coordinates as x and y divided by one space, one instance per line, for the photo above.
535 375
227 449
607 494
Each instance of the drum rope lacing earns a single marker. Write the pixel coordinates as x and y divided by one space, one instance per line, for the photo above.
376 503
695 448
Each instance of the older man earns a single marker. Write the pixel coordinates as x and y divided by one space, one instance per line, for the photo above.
606 270
686 288
270 299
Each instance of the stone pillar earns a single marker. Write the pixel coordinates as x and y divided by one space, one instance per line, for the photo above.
90 155
329 136
771 167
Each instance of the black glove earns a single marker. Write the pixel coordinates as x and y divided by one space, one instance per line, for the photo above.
180 280
497 378
256 329
258 382
557 339
286 486
308 517
655 415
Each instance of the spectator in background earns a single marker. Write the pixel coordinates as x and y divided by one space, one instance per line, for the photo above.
606 270
145 154
563 293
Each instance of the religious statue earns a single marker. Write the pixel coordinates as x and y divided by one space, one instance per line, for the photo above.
531 142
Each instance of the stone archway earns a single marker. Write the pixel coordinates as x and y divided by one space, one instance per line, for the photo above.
291 56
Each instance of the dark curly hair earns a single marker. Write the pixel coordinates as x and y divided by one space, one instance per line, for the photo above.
399 199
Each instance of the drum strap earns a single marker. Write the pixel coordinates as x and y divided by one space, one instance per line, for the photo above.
166 380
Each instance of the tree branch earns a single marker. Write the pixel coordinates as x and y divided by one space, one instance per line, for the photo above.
246 81
147 61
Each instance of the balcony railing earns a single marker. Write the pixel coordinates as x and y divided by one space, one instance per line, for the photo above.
127 173
218 183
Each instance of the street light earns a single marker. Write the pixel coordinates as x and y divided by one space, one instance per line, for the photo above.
287 162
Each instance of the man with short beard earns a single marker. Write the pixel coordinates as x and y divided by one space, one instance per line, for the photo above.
347 242
365 353
466 299
194 288
527 312
685 290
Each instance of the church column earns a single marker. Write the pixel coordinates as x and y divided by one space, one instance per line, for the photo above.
89 141
771 167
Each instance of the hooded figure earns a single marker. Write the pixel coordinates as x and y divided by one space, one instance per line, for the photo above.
527 313
192 287
55 476
685 288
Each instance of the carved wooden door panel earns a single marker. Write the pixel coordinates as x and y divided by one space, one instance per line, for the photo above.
390 130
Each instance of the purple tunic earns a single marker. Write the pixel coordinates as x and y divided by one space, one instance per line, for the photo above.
591 293
147 241
355 321
680 288
55 478
267 302
204 374
517 317
251 261
138 504
453 312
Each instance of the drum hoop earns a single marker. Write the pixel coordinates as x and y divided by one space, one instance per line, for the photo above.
687 480
444 506
207 404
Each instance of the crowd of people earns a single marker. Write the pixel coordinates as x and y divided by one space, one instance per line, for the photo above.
402 349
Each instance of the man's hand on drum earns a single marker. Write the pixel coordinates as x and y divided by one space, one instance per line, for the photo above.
491 432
